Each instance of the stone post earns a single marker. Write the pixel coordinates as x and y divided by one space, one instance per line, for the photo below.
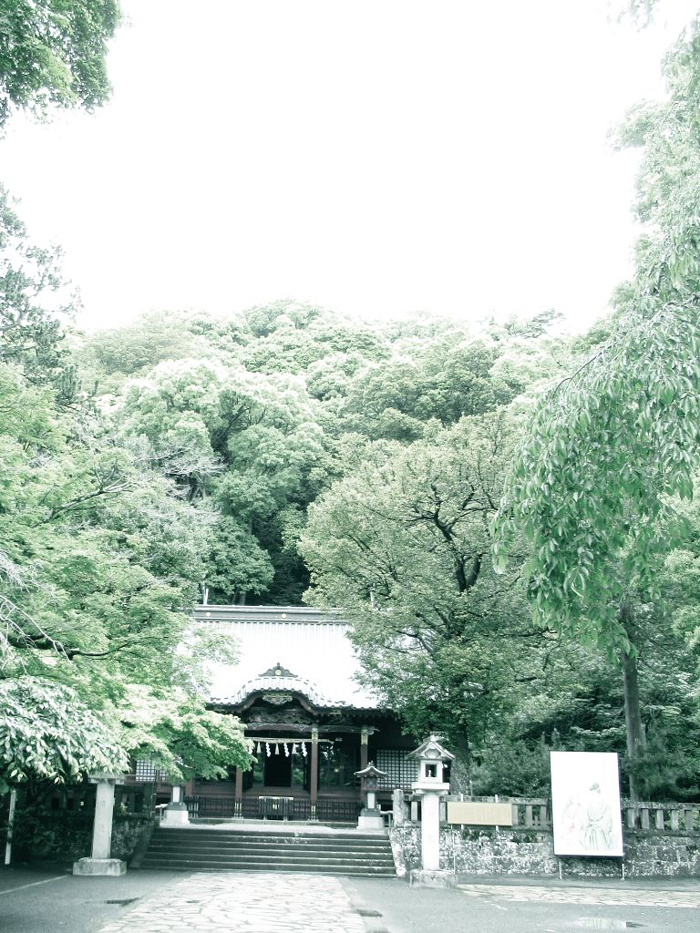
313 783
398 807
238 802
10 826
100 862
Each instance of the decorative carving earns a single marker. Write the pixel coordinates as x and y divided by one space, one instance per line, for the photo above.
278 671
277 699
292 714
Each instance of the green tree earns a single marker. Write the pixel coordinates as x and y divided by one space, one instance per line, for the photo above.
47 733
33 298
609 445
100 565
52 53
402 544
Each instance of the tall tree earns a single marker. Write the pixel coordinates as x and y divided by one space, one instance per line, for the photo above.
610 444
402 544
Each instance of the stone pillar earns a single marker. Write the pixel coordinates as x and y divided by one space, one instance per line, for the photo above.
10 827
238 803
100 862
313 784
175 814
430 831
398 807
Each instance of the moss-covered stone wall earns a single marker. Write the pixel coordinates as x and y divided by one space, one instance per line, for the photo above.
487 851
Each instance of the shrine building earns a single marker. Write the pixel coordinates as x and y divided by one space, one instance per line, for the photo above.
311 724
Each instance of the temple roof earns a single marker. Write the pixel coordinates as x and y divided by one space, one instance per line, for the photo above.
277 680
311 643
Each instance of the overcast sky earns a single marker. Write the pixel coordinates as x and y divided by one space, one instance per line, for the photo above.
374 156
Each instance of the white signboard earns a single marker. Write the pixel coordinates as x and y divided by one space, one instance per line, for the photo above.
586 803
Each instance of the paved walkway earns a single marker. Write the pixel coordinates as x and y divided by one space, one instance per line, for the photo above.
262 902
33 901
241 902
605 896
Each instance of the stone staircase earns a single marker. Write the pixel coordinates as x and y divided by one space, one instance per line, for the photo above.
331 853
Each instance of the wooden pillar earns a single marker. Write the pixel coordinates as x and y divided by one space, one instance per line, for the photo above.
238 802
364 761
364 748
314 771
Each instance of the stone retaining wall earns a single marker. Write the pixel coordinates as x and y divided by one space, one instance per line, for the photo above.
66 835
486 851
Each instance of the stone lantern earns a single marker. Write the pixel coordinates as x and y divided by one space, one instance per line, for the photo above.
429 788
370 817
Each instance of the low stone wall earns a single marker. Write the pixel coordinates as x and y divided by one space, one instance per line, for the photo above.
486 851
65 835
128 833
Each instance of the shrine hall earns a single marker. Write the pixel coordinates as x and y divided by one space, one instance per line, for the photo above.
312 725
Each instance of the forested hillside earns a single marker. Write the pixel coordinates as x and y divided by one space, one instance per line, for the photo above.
288 455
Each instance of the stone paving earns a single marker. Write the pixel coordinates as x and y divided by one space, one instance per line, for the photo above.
609 897
241 902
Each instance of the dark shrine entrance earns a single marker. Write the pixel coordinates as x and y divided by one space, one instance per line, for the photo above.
278 770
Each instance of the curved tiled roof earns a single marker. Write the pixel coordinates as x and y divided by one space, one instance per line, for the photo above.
312 643
277 680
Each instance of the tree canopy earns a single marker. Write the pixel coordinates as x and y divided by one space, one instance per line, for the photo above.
611 448
52 53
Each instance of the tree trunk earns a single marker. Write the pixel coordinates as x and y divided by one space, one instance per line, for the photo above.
460 778
636 739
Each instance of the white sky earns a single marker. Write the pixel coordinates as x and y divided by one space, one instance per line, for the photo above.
373 156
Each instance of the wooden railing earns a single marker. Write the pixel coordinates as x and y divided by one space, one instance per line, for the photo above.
210 807
266 807
337 810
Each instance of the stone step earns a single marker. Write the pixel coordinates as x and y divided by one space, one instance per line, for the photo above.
345 870
219 850
306 846
276 855
190 832
300 867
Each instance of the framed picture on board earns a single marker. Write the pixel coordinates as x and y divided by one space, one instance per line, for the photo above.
586 804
